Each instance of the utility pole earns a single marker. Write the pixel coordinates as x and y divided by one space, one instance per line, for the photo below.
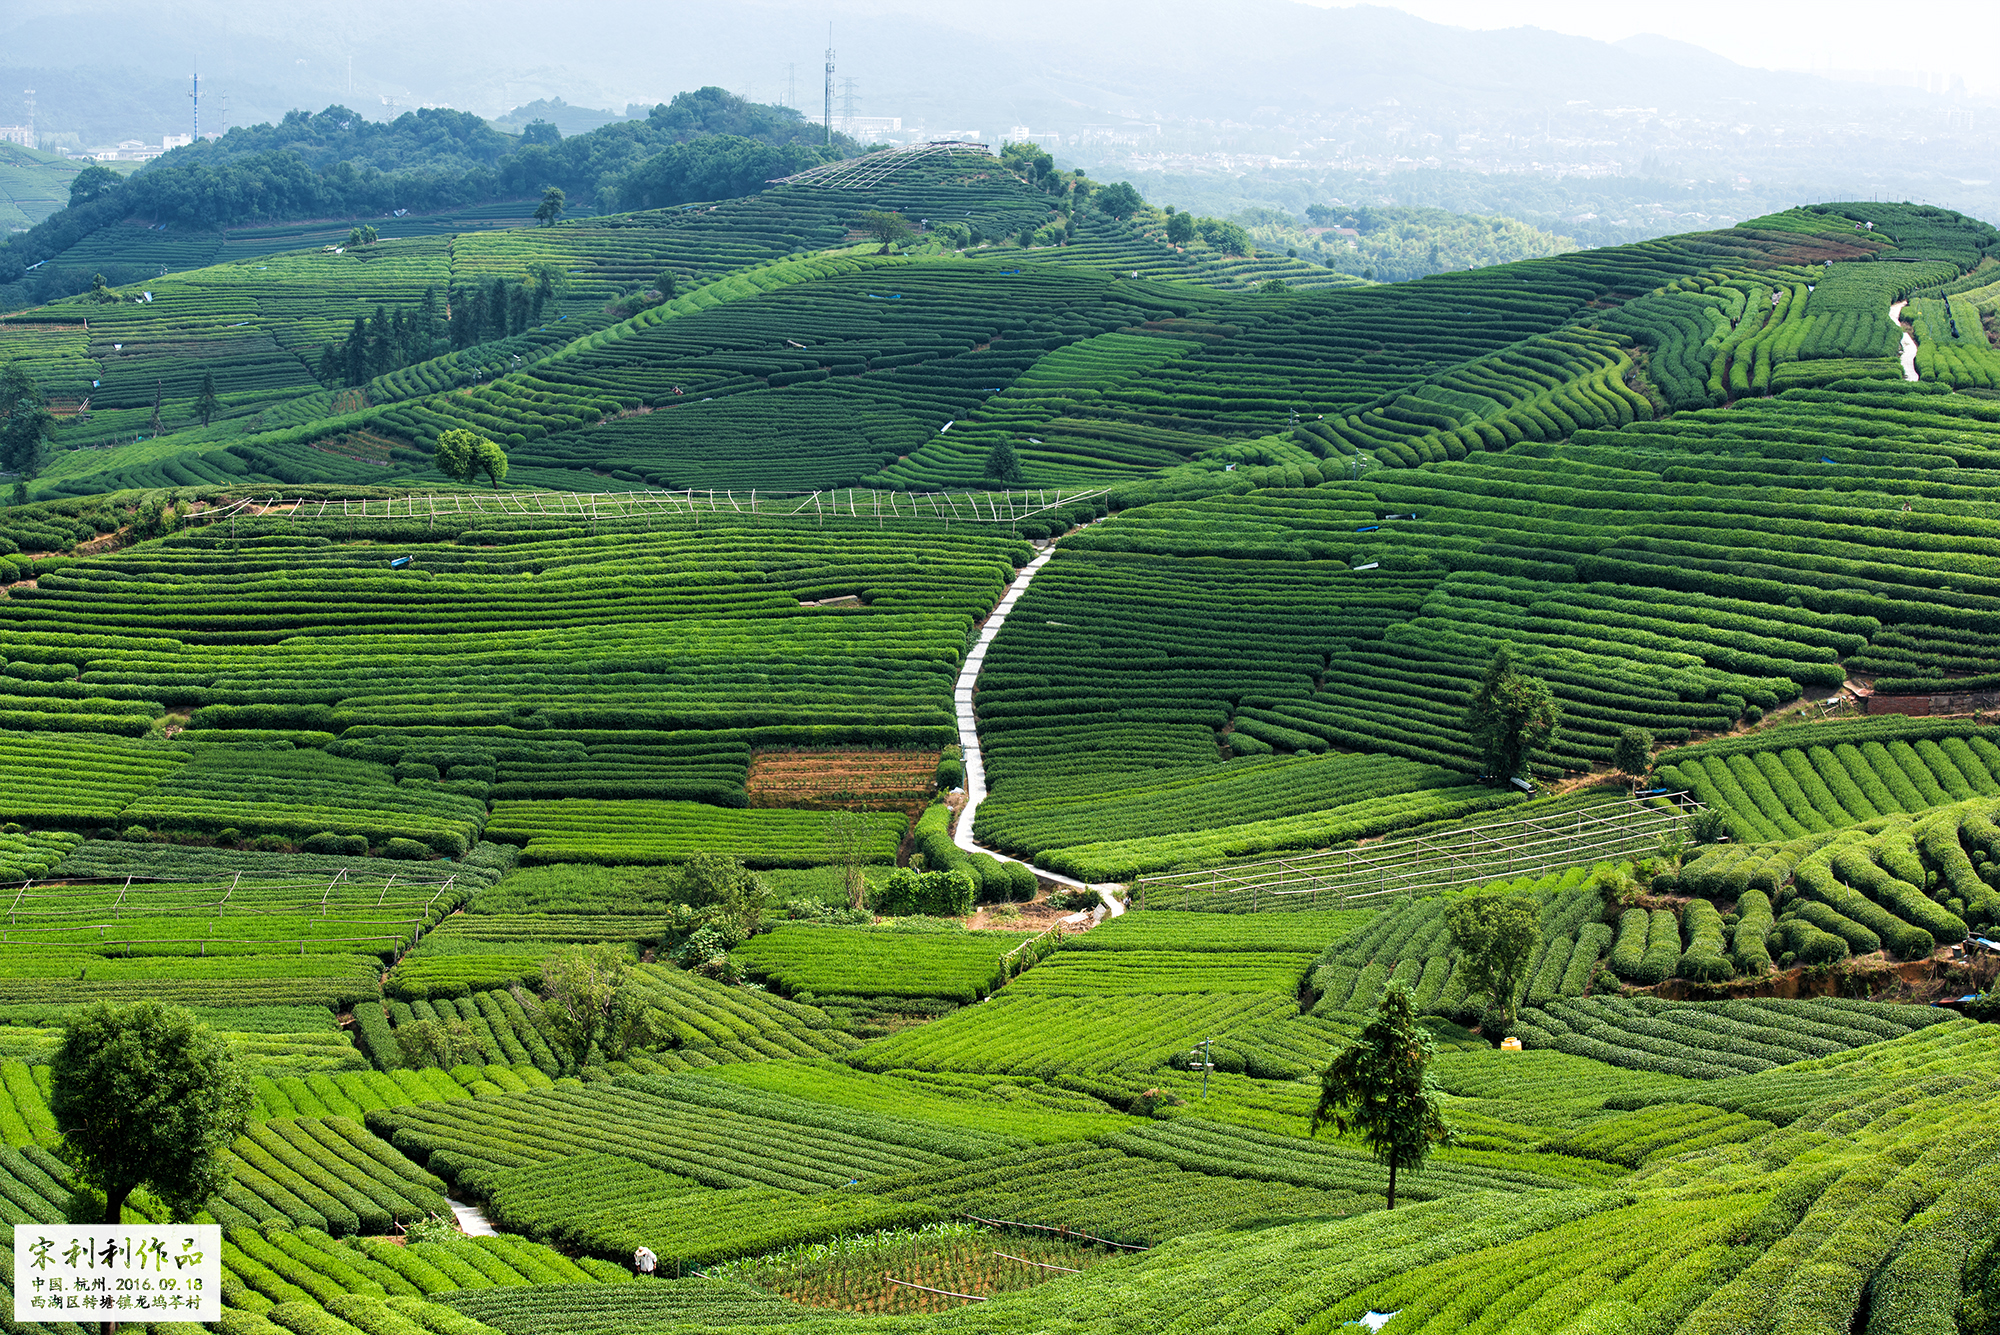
829 85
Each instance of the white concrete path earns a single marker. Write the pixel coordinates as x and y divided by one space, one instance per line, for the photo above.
1909 353
968 736
471 1220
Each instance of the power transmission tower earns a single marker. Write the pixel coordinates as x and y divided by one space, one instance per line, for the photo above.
847 106
30 94
829 85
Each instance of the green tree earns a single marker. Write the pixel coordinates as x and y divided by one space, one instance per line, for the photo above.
1379 1087
551 207
1121 201
1633 752
206 405
91 182
1002 463
465 455
24 421
885 227
1274 287
145 1096
716 880
665 285
1180 228
1495 936
847 847
1510 716
590 1005
434 1042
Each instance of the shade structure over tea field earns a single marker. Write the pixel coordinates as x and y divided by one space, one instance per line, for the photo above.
349 756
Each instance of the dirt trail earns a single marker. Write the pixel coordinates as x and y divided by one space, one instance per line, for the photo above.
968 735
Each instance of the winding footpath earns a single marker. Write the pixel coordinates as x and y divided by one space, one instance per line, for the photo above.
1909 353
968 735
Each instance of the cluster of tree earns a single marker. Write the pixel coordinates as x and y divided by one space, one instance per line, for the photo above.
1072 191
476 313
481 312
1227 237
384 342
714 167
1398 244
335 163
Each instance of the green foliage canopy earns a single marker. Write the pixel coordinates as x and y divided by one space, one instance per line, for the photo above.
24 421
589 1004
465 455
146 1096
1494 935
1510 716
1379 1087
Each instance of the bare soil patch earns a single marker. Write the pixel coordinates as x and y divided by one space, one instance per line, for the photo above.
849 779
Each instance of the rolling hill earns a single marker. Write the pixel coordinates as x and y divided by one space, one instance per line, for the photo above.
1183 568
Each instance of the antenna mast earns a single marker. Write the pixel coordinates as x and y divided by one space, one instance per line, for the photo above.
829 85
792 86
30 93
196 95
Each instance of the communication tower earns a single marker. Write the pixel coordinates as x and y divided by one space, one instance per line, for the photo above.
196 96
829 85
29 94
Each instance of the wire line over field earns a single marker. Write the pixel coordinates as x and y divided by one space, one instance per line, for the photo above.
970 507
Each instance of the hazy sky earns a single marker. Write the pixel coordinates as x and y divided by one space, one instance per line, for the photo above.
1952 36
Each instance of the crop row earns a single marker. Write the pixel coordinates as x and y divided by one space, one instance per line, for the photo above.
327 1173
1773 795
609 1206
628 833
716 1137
1039 1035
1703 1040
812 961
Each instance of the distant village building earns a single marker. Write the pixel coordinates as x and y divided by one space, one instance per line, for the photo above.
137 150
1047 140
24 135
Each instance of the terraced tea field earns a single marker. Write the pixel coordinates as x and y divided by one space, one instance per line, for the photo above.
974 927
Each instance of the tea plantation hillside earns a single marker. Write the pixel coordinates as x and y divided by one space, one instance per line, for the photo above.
999 717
